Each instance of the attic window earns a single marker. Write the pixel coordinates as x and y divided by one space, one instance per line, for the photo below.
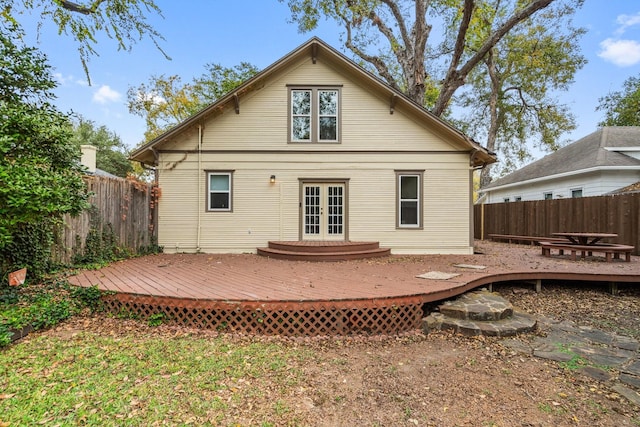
314 114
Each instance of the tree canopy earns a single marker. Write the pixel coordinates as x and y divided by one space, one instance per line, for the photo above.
509 98
492 50
622 108
165 100
391 36
40 176
125 21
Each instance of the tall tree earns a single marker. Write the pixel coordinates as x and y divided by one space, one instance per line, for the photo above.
111 154
622 108
403 29
165 101
40 176
510 100
124 21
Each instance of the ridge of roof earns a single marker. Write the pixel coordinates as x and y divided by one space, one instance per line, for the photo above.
486 155
587 152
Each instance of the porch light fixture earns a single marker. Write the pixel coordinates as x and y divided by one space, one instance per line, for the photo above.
272 179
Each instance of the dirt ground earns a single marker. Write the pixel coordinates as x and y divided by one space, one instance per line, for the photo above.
444 379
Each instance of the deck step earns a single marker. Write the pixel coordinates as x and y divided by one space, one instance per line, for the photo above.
323 251
323 246
480 313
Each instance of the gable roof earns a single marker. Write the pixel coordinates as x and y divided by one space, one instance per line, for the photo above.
313 48
599 150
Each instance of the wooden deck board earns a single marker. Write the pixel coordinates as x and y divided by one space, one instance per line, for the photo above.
253 278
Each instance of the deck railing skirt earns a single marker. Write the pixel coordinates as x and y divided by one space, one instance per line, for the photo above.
305 318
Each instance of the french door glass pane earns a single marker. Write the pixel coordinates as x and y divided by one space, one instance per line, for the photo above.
335 210
312 210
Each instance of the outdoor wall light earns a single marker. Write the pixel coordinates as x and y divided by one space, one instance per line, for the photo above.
272 179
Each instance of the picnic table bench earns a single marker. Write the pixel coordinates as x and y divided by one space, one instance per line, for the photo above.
511 238
610 250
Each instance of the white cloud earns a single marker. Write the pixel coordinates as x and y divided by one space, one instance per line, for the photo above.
627 21
623 53
105 95
152 97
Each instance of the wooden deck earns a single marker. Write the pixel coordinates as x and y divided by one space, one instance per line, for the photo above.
382 295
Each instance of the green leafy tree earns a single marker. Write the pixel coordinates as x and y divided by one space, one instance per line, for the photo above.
165 101
510 96
622 108
391 34
40 176
122 20
111 154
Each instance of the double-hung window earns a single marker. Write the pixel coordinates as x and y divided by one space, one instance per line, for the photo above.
409 199
314 114
219 186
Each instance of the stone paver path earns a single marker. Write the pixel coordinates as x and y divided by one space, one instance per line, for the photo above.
604 356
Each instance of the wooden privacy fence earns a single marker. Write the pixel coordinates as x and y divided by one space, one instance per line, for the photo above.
618 214
121 207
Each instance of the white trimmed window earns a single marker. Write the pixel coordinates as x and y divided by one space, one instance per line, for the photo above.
548 196
409 199
576 192
314 115
219 186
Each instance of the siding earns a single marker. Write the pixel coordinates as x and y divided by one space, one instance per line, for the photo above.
254 144
592 184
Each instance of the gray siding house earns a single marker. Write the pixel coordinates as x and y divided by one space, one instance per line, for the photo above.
600 163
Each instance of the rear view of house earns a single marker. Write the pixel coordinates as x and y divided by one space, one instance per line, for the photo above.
314 148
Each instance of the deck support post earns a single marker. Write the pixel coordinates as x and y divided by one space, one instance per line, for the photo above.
613 288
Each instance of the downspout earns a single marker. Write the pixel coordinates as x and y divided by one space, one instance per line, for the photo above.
199 187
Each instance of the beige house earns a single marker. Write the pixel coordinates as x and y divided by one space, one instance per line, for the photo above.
314 148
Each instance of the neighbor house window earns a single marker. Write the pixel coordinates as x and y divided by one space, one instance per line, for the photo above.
548 196
219 186
409 199
576 193
315 115
517 198
506 200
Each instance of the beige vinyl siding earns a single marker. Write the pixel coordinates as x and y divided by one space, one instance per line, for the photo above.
263 211
253 144
263 119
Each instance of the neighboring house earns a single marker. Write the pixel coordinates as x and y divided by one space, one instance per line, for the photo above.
600 163
314 148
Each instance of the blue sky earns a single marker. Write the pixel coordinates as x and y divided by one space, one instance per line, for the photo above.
198 32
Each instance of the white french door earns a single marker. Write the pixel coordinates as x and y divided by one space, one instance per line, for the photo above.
323 211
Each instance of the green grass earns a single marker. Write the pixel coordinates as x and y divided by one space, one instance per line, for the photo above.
92 379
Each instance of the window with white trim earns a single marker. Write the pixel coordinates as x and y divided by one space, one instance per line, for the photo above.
548 196
409 199
314 115
576 192
219 186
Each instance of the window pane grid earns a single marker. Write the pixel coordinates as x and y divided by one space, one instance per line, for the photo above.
314 115
312 210
334 207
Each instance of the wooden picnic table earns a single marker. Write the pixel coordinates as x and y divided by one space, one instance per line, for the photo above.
585 239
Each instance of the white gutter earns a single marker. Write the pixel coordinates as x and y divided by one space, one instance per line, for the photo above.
562 175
